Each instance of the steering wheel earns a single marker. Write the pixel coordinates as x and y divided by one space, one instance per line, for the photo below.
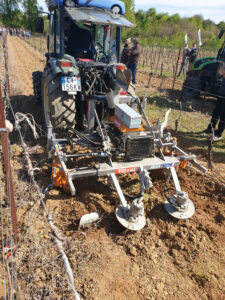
99 52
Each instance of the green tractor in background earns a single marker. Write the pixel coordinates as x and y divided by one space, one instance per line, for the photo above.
204 74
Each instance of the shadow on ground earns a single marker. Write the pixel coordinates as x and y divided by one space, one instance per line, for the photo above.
203 105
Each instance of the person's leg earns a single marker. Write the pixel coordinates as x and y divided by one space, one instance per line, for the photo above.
131 67
221 125
134 73
128 66
189 66
216 114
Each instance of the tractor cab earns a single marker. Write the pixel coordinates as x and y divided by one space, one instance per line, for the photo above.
85 33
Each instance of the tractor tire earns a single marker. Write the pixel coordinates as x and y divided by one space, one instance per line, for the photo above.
116 9
191 87
37 82
58 107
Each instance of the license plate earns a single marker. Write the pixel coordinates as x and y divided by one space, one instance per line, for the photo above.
71 84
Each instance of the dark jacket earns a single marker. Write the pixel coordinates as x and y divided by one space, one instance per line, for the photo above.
186 53
222 88
124 55
193 55
135 53
221 71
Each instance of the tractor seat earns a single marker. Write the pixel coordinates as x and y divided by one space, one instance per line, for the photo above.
84 54
84 59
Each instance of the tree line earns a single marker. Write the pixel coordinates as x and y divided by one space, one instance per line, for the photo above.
162 29
152 28
19 13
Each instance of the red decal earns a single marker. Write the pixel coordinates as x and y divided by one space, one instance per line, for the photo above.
126 170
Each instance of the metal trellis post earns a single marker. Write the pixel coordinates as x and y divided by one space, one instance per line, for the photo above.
7 165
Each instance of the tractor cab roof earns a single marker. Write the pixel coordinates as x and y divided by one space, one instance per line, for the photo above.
97 16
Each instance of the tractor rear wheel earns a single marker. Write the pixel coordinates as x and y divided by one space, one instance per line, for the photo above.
37 80
58 107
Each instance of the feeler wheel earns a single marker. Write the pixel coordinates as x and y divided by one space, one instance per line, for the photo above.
121 214
188 213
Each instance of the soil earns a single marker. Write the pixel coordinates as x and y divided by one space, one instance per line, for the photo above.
168 259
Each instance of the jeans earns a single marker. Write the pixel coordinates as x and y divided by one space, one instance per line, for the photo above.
218 114
133 68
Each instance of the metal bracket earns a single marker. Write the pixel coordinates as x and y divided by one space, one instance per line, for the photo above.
145 179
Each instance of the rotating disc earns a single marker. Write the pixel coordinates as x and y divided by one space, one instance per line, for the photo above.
185 214
121 215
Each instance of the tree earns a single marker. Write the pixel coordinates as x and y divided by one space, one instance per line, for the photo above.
30 9
130 5
151 12
130 15
10 13
221 25
197 20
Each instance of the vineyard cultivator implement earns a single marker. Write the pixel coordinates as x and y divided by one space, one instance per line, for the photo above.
97 145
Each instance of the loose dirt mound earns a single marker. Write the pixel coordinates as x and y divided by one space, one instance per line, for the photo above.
168 259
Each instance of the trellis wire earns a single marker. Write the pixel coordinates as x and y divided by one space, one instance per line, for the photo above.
56 234
152 56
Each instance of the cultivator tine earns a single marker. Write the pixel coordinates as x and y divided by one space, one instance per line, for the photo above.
119 191
133 216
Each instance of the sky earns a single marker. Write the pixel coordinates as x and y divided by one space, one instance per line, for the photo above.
213 10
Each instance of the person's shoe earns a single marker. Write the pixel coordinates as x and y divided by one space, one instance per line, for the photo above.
217 137
206 132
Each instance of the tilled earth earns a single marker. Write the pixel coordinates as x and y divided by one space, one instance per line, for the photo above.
168 259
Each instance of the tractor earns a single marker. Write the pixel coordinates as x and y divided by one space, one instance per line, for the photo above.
204 74
96 125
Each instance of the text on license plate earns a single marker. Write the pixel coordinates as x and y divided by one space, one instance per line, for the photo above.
71 84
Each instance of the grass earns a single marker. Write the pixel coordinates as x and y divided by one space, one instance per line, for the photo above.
166 72
191 122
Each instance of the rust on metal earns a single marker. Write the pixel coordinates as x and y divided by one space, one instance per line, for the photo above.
8 170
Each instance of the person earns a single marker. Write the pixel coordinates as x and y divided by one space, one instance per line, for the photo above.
221 54
27 35
126 49
133 57
184 63
192 56
218 112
